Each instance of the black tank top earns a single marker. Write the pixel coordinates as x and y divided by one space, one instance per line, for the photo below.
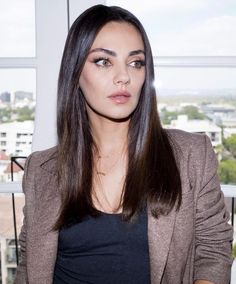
104 250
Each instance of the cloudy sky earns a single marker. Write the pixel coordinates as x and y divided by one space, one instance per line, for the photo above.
193 27
175 27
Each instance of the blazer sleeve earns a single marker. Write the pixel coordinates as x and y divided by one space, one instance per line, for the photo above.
213 235
21 272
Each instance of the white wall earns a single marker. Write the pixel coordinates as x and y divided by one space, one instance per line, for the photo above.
51 31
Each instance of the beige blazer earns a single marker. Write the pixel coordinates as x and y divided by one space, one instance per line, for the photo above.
193 243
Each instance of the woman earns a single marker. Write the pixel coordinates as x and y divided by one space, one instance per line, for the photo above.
120 199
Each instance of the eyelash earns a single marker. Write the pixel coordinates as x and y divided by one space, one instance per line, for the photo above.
140 63
96 61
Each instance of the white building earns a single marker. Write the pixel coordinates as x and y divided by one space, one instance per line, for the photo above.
16 138
4 162
198 126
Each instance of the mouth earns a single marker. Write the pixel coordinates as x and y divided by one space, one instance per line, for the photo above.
120 97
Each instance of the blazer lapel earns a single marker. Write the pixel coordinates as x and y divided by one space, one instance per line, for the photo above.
42 243
159 236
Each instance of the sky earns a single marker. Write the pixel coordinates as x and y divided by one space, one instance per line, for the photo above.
175 28
17 28
193 27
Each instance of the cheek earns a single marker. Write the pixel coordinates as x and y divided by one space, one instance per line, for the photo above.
139 81
84 82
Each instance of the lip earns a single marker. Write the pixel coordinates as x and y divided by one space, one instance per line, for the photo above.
120 97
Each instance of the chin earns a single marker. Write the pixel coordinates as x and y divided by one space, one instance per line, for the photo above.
119 117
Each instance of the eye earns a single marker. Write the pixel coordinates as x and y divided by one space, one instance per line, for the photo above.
138 64
102 62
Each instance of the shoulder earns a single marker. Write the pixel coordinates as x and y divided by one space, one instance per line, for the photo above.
186 143
186 139
42 159
195 154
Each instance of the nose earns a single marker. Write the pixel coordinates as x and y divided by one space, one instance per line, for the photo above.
121 76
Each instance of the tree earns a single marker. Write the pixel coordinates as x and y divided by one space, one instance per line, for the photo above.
230 144
192 112
227 171
167 116
24 113
5 114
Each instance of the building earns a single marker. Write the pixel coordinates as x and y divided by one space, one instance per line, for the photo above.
5 97
221 114
4 162
198 126
16 138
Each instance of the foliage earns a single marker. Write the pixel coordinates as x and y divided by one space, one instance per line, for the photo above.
167 116
227 171
230 144
20 114
192 112
5 114
25 113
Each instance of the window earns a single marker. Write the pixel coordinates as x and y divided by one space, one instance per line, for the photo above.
187 28
17 28
17 77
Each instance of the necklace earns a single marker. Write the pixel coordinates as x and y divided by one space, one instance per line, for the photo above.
100 179
101 172
103 201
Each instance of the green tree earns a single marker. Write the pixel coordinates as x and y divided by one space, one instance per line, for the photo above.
230 144
5 114
25 113
227 171
167 116
192 112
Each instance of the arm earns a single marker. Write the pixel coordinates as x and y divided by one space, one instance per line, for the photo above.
21 273
213 234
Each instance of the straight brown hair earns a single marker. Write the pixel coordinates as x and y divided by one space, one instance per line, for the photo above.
152 175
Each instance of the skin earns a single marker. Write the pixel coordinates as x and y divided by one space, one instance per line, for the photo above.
116 63
112 66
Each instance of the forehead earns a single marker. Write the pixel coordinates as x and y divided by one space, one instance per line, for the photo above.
116 35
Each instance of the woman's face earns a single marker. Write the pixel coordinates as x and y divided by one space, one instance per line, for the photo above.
114 72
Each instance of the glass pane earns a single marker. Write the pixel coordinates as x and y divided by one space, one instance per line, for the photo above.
17 108
7 236
202 100
187 28
17 28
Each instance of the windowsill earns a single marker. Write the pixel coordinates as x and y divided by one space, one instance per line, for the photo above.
16 187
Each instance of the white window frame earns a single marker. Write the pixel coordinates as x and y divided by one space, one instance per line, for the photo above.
53 19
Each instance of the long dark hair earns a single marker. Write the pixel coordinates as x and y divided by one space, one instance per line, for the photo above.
152 174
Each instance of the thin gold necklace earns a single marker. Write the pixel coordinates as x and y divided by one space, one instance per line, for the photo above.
102 192
100 172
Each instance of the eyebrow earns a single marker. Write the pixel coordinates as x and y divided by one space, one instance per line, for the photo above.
113 53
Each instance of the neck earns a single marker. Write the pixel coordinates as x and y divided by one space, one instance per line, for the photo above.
109 135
